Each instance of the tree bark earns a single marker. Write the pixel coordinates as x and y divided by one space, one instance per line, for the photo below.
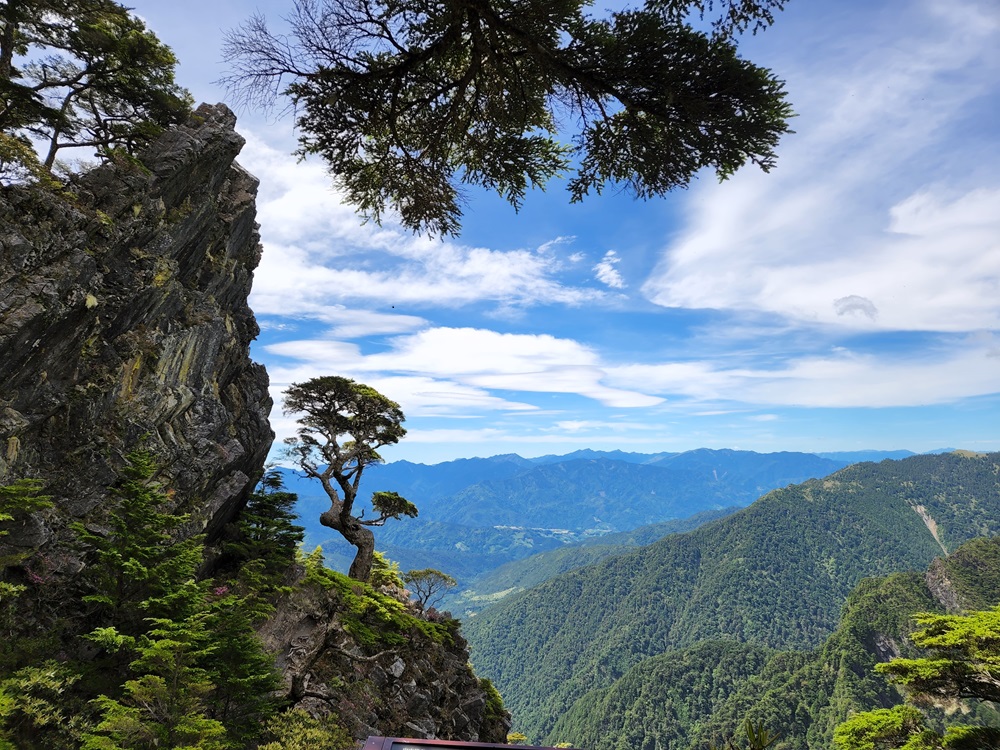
357 534
10 20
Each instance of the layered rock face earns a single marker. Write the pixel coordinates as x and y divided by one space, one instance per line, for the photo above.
124 324
422 688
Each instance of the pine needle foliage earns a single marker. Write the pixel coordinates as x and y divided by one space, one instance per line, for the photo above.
81 73
408 101
962 663
161 655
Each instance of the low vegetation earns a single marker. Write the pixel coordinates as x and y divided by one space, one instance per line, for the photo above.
160 654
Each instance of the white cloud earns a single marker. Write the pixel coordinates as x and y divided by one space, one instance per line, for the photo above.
553 443
507 362
856 305
447 371
870 381
607 273
470 372
964 369
602 426
886 193
318 254
418 395
486 434
352 324
347 323
274 325
313 352
584 381
927 214
293 281
698 381
477 351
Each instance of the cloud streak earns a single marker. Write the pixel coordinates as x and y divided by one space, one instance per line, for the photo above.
607 273
469 373
861 206
841 379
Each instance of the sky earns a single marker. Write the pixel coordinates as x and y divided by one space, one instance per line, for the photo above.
849 299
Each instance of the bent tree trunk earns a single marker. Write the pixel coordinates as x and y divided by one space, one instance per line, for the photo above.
357 534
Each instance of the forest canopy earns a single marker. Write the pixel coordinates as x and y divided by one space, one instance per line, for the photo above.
81 73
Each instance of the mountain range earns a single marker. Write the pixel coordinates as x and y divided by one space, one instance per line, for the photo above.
774 575
700 695
478 514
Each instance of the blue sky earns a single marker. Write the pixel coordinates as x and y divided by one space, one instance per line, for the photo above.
849 299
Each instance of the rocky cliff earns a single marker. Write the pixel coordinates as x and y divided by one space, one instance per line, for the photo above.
124 325
379 665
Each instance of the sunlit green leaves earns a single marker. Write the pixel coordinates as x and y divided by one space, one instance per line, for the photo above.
963 663
965 660
342 425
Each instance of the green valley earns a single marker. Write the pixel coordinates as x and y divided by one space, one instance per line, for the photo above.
493 585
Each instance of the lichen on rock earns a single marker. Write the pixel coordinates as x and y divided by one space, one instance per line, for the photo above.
124 323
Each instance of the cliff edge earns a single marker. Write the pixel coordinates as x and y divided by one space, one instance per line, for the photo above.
124 324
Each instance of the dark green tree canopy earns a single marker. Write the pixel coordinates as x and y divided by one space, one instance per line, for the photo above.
406 100
333 408
342 426
962 663
84 73
429 586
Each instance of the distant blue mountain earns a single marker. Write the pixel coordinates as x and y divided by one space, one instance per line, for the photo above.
633 458
854 457
421 483
478 513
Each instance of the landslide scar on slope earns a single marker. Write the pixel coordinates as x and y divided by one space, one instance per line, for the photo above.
931 525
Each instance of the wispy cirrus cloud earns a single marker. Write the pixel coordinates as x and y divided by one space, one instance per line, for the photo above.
842 378
440 368
607 273
471 373
863 225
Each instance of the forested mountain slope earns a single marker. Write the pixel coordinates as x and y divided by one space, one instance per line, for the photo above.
691 697
493 585
774 574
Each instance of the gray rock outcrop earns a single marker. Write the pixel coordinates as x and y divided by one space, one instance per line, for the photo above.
124 324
